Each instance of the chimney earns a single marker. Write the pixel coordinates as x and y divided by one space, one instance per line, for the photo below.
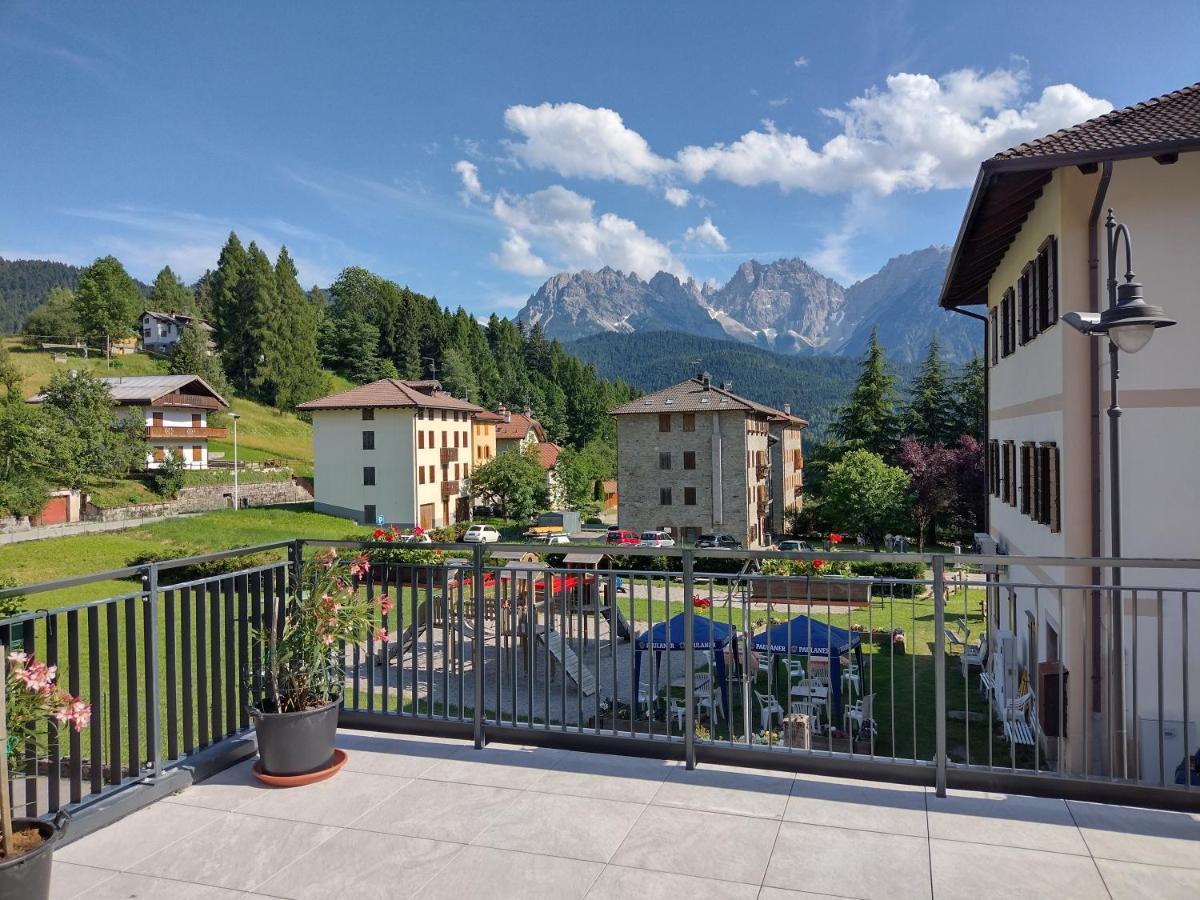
527 411
705 380
787 408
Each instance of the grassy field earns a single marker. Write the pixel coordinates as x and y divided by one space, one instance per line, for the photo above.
64 557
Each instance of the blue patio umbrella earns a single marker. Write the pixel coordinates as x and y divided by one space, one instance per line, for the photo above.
803 636
706 635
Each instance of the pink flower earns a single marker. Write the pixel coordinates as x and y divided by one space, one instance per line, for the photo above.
359 566
381 635
385 604
17 658
327 558
327 639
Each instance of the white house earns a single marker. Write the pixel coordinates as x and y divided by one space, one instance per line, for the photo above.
175 409
393 451
1031 248
161 330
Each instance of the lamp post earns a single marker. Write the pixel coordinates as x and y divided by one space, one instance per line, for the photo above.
236 500
1129 322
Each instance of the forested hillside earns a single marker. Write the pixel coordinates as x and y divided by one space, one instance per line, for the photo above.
815 386
25 284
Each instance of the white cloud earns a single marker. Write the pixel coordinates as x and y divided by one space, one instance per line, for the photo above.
576 140
677 196
516 255
778 101
800 62
708 234
917 133
564 227
472 188
833 254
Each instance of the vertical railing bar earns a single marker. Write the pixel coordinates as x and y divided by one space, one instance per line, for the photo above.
476 647
1062 687
689 659
216 695
1133 719
939 672
114 692
31 755
447 655
1033 680
429 632
154 689
170 665
243 642
228 586
187 636
1161 724
891 645
370 652
54 775
385 624
96 698
133 729
1187 781
73 683
199 594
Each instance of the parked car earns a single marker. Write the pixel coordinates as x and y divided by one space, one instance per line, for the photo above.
481 534
558 537
622 537
656 539
718 542
795 546
486 512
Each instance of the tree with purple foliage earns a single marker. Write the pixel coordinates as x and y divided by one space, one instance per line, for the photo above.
945 484
970 476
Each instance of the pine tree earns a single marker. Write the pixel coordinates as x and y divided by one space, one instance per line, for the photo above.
868 421
930 415
192 357
969 399
230 318
170 295
106 301
268 373
294 339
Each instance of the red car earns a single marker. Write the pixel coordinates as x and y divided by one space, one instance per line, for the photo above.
623 538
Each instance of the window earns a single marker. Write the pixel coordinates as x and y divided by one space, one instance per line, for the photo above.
368 414
993 467
443 415
1049 509
445 439
1008 489
689 459
1027 478
456 439
368 440
420 440
196 423
369 475
1008 323
420 474
664 421
691 535
664 496
456 465
689 421
429 438
369 517
197 455
994 333
159 454
1027 306
1047 287
664 460
420 414
432 475
689 496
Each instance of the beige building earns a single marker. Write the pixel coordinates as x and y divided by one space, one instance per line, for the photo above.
517 431
787 467
1034 224
483 436
697 458
392 451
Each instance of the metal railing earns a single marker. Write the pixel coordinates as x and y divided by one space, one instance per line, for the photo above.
970 671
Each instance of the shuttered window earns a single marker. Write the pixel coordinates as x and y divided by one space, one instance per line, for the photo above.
1053 481
1028 331
993 463
1047 275
1026 477
1009 469
994 333
1008 323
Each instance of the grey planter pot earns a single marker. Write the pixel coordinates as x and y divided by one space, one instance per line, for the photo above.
296 743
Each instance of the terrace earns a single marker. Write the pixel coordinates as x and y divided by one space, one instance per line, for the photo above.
540 725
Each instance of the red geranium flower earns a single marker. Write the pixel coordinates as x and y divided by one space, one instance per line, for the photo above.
418 530
835 538
818 563
378 532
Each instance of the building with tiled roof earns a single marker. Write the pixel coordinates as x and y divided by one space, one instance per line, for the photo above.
394 451
160 331
517 431
175 409
696 458
1032 248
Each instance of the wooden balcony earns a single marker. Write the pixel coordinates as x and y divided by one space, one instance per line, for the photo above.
761 470
183 431
449 455
449 488
195 401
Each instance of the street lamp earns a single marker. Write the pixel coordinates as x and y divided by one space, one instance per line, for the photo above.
1129 322
235 418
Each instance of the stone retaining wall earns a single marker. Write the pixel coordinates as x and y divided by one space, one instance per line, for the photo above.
205 498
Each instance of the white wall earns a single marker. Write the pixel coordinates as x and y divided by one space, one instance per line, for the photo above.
338 461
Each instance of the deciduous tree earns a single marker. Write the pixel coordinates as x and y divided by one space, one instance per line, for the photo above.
106 301
864 495
514 481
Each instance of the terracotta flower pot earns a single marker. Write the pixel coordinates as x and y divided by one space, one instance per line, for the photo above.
296 743
28 876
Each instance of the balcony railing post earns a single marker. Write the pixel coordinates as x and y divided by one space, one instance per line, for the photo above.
154 701
477 646
939 673
689 659
295 562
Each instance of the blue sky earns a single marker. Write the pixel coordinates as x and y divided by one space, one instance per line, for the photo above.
468 150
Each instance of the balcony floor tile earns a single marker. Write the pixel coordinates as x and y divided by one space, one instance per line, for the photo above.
1036 823
849 863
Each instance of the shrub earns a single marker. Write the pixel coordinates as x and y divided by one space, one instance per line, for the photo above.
10 606
195 571
167 480
886 571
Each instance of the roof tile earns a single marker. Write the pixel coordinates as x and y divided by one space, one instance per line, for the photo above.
390 392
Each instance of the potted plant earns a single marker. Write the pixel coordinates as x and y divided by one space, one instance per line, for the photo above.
30 699
303 675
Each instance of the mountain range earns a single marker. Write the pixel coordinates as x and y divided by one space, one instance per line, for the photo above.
786 306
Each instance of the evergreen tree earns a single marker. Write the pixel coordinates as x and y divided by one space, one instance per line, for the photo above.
192 357
106 301
267 375
203 294
292 352
868 421
230 318
969 400
170 295
930 416
457 376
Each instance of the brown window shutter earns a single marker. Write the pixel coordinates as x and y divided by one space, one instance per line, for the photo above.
1051 280
1025 476
1052 489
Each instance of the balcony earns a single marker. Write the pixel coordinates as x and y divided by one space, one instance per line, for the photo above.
785 807
449 455
761 471
449 489
195 401
183 431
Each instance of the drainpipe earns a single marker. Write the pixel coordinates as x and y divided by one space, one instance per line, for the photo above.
987 370
1097 513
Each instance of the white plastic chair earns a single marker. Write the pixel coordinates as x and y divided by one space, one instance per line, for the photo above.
769 708
859 713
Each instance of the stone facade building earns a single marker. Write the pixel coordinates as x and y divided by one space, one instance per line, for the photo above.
696 458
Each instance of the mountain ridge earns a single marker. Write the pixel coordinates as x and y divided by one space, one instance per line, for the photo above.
786 306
